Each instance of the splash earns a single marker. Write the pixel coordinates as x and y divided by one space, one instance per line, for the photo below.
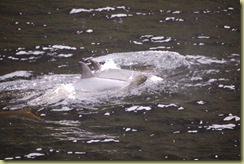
167 73
110 64
144 62
16 74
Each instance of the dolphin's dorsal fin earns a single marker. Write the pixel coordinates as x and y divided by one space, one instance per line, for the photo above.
95 65
85 71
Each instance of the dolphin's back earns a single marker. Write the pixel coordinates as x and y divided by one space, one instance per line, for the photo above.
118 74
98 84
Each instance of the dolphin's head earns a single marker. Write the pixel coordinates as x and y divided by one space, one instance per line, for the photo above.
95 64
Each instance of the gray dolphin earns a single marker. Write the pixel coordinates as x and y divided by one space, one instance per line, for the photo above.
89 82
116 74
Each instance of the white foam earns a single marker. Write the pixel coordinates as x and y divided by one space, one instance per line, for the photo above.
231 117
201 102
231 87
227 27
65 55
107 8
161 39
221 127
63 109
89 30
78 152
33 155
192 131
105 140
16 74
156 79
204 60
173 19
75 11
22 52
203 37
55 95
109 64
61 47
166 106
120 15
137 108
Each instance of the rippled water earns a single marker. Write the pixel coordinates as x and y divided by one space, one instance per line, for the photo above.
193 113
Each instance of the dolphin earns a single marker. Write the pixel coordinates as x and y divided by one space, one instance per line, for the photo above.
116 74
89 82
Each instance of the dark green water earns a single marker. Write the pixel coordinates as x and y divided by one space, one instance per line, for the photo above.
196 117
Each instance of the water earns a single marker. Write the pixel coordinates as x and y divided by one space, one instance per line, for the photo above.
192 114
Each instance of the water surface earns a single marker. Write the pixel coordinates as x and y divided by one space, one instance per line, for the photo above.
193 114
